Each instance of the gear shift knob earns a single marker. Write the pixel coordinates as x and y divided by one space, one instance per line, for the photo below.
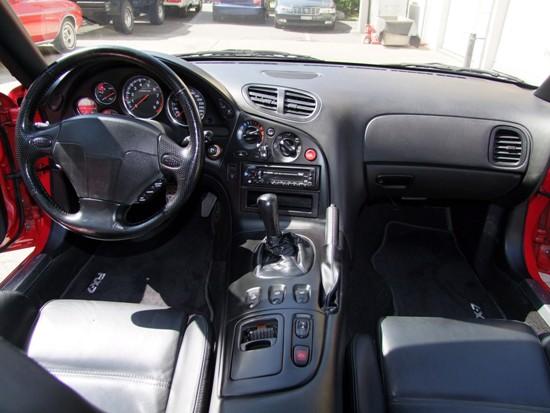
269 211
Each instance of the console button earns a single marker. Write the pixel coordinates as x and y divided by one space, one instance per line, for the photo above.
302 327
301 293
300 355
252 297
276 294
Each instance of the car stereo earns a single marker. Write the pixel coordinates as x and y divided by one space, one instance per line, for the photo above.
303 177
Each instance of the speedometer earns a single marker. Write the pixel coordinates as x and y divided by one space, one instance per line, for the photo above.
142 97
176 113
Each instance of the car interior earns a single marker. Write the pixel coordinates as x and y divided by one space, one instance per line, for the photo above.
282 236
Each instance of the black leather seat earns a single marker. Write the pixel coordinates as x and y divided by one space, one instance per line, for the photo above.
441 365
118 357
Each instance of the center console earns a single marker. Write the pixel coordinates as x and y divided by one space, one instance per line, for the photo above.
278 339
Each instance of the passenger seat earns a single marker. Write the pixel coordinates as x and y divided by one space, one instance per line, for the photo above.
441 365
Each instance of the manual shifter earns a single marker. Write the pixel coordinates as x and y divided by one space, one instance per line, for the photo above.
281 254
276 243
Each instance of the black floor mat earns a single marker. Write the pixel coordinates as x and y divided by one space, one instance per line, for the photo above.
429 276
169 269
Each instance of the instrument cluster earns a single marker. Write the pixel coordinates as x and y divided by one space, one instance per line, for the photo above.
140 96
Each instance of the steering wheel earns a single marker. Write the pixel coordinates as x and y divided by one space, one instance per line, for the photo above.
110 160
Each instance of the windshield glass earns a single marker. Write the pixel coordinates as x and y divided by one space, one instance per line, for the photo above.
488 37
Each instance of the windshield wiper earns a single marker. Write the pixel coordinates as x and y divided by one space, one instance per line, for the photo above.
487 74
247 54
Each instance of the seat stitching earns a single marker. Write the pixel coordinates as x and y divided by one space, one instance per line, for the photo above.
111 374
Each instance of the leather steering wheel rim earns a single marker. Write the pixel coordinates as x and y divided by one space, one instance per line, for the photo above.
155 155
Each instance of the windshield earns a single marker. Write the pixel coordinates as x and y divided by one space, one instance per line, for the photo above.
483 37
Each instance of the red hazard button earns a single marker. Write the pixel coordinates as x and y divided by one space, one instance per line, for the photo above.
301 355
310 154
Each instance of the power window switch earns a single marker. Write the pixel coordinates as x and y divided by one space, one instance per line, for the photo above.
276 294
252 297
300 356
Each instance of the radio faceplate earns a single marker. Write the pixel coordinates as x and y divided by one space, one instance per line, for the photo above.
292 177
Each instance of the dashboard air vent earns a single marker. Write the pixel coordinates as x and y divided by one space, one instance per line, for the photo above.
508 147
263 96
299 104
288 103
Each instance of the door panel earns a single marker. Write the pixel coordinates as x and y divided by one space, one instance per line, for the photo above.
536 244
26 226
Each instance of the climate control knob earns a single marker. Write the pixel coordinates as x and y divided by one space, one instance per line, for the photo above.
288 146
251 134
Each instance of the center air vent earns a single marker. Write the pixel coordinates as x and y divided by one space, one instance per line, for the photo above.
508 147
287 103
263 96
299 104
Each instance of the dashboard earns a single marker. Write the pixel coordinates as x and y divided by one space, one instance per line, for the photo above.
366 133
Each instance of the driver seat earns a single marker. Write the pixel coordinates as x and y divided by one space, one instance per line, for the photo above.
117 357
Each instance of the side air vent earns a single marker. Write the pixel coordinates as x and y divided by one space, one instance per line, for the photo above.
508 147
285 102
263 96
299 104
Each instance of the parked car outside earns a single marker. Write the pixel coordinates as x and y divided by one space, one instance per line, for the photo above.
122 12
50 21
238 8
305 13
184 7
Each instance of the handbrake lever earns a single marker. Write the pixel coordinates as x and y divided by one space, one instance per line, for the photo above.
330 265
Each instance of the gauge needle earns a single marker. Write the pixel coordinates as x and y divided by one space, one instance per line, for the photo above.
109 95
139 102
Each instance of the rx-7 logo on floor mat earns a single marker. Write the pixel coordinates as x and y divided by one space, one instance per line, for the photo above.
96 281
478 312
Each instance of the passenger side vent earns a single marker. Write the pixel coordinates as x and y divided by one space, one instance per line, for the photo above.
263 96
508 147
285 102
299 104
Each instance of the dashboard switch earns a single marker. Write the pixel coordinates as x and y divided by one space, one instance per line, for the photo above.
300 355
252 297
302 327
276 294
310 154
302 293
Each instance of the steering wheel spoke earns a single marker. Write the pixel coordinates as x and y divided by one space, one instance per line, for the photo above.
99 216
40 141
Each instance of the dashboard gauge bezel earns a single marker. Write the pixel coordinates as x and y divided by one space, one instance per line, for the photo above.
173 118
98 99
77 104
127 84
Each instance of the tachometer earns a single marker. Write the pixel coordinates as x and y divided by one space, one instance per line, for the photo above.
142 97
105 93
174 108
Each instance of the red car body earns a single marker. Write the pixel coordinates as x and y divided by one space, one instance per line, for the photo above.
43 18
